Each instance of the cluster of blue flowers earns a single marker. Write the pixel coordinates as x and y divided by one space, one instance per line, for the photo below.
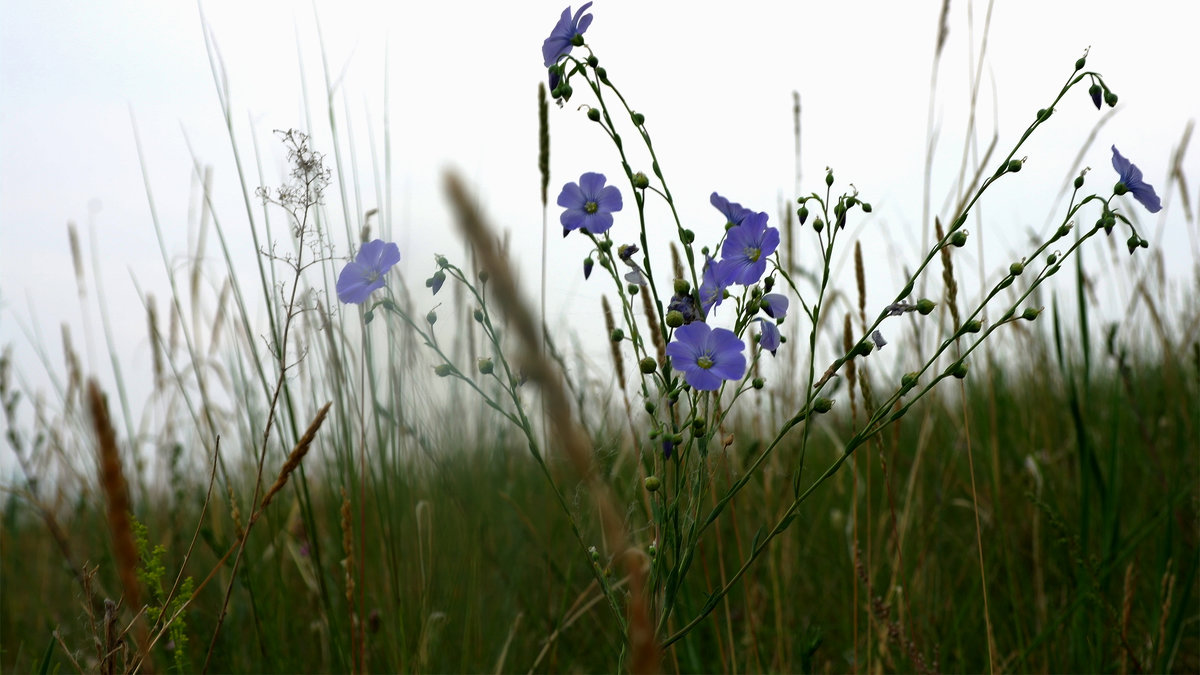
707 356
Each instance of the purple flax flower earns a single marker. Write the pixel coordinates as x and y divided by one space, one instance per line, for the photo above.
877 338
746 249
563 36
775 305
734 213
685 304
364 275
768 335
707 356
589 204
1131 181
712 286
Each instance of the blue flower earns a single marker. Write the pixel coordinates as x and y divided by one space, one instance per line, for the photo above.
589 204
685 304
746 248
775 305
768 335
435 282
707 356
712 286
734 213
364 275
1131 181
563 36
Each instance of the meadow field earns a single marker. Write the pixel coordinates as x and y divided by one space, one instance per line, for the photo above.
349 461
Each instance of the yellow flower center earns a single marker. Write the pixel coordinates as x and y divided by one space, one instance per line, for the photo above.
591 207
704 362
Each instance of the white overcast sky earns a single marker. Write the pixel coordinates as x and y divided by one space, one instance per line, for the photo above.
715 80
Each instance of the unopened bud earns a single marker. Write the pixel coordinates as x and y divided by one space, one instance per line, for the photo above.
1030 313
908 381
959 370
442 369
758 383
648 365
1016 268
431 317
652 483
925 306
674 318
485 366
640 181
822 405
959 239
1014 166
593 114
617 335
638 119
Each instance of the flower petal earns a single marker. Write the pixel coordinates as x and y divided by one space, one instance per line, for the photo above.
598 223
609 199
591 184
571 197
573 219
775 305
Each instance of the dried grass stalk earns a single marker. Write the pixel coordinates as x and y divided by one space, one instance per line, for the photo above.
297 454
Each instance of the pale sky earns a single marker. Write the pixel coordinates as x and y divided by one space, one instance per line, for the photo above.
715 84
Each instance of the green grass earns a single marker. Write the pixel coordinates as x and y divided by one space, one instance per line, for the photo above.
467 553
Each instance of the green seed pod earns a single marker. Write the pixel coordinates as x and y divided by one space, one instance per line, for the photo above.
1030 313
652 483
478 315
1080 63
592 61
1078 182
431 317
1064 230
688 236
650 407
1014 166
959 239
602 74
682 286
972 326
1110 98
925 306
1052 258
648 365
829 178
593 114
822 405
640 181
818 224
639 119
863 348
758 383
632 288
483 276
443 369
674 318
485 366
959 370
908 381
1016 268
866 207
617 335
698 427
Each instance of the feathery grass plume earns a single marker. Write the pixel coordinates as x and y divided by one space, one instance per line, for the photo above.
644 652
1126 610
155 348
676 262
76 256
116 492
74 372
851 367
655 331
860 280
1166 592
614 348
948 273
297 455
543 139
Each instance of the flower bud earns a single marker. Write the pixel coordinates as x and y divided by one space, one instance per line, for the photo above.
863 348
959 370
617 335
688 236
443 369
368 316
606 245
822 405
1133 243
758 383
818 225
1014 166
1080 63
959 239
908 381
1078 182
632 288
650 407
682 286
593 114
925 306
640 181
592 61
698 427
483 276
1094 92
1016 268
1120 189
866 207
638 119
1044 114
442 262
1064 230
431 317
972 326
588 264
1110 98
802 214
1052 258
594 554
652 483
648 365
829 178
478 314
485 366
1030 313
602 74
674 318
